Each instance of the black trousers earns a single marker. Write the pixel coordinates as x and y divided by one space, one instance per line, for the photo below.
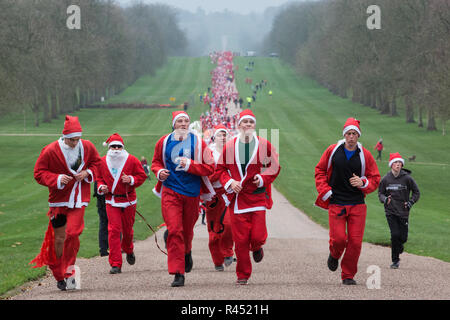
399 234
103 230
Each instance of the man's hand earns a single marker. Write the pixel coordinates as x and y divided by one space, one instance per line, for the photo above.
104 189
126 179
164 174
65 179
388 200
183 162
356 181
256 180
82 175
236 186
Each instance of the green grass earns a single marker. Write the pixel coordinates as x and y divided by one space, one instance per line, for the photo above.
23 202
307 116
310 118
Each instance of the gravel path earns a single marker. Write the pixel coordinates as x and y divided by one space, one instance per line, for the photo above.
294 267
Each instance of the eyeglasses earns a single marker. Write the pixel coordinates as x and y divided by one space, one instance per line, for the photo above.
115 147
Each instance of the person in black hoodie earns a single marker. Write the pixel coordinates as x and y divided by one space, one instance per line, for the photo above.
398 191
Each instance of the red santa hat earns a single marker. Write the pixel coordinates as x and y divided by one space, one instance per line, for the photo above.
246 114
351 124
114 139
219 128
72 127
178 114
393 157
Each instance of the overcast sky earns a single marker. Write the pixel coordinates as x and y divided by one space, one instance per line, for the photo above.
239 6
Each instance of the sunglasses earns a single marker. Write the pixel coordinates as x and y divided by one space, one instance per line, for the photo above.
115 147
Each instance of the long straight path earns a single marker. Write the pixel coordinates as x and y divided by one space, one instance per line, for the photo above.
294 267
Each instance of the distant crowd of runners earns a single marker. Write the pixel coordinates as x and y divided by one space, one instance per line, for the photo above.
220 164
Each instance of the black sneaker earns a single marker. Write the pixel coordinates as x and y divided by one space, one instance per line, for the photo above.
332 263
115 270
131 258
178 281
219 268
104 253
395 265
61 285
258 255
348 281
188 262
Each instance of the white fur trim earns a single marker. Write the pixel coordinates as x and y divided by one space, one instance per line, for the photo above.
157 174
58 183
188 163
261 181
156 193
247 117
178 116
366 184
98 189
396 159
327 195
91 175
351 127
227 185
132 181
72 135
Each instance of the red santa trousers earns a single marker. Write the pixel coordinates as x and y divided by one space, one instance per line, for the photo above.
249 234
352 220
180 213
47 255
120 221
220 244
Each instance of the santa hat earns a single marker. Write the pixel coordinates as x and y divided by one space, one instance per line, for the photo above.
114 139
351 124
246 114
393 157
219 128
178 114
72 127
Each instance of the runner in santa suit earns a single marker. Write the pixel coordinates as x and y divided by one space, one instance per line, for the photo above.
345 174
117 178
181 163
66 167
247 168
217 216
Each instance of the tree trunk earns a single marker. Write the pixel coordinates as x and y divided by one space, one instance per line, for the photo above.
394 112
420 124
35 108
431 124
46 108
384 104
409 110
54 103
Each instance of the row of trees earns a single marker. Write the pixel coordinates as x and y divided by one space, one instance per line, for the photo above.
406 61
52 69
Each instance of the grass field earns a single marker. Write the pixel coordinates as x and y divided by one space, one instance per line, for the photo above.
308 118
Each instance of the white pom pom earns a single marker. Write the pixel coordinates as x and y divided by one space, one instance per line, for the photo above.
105 144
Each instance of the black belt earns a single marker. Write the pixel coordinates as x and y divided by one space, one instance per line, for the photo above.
120 195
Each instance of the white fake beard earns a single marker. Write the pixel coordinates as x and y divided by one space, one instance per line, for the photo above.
116 158
71 154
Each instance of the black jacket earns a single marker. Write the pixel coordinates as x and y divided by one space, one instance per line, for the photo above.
400 189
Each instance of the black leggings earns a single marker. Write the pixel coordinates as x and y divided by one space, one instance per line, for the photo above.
399 234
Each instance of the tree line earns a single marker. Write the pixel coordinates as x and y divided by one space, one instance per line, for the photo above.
406 61
51 69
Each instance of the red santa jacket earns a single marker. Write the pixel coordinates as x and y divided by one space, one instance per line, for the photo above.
369 173
263 164
121 194
51 164
202 165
